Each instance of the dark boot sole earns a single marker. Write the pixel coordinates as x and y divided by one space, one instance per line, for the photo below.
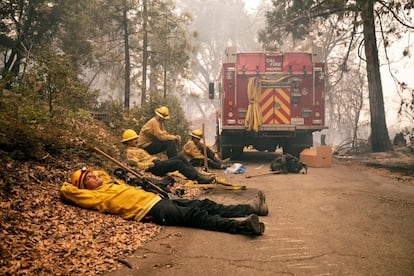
254 226
262 199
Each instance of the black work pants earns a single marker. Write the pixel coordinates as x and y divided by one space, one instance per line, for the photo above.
210 163
210 153
158 146
175 163
203 214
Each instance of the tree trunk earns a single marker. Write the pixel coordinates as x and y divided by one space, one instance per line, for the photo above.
379 134
127 61
10 69
144 52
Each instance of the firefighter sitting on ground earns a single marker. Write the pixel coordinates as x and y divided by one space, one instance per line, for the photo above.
143 160
154 138
193 150
94 189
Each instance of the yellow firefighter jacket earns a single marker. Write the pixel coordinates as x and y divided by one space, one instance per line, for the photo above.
119 199
141 158
192 151
153 129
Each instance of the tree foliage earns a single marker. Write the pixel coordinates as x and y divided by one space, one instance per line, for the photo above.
55 51
170 45
40 86
347 103
219 24
24 25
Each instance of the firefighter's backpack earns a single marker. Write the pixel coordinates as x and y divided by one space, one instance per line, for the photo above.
287 163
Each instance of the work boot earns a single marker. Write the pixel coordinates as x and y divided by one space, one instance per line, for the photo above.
259 204
205 179
224 166
252 226
225 161
262 227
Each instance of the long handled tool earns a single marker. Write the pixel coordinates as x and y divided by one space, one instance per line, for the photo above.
262 174
220 184
191 184
139 176
205 149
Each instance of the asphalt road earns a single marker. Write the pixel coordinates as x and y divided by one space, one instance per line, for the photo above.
331 221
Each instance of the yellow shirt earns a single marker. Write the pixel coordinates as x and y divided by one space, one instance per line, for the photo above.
119 199
191 151
141 158
153 129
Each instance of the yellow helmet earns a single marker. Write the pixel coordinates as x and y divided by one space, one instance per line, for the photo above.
79 176
197 134
128 135
163 112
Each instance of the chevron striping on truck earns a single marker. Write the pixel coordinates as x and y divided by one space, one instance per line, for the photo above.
275 106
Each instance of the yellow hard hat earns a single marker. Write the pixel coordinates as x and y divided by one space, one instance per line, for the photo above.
79 176
163 112
128 135
197 134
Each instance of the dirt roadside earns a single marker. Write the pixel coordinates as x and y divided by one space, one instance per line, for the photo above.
36 225
345 220
398 164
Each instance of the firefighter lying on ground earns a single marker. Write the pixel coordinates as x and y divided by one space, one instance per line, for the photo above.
144 161
154 138
94 189
193 150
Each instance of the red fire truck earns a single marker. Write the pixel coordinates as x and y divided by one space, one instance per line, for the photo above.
269 100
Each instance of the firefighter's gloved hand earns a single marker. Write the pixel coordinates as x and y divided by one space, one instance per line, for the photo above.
121 173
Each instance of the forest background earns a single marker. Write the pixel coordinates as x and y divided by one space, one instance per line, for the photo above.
127 57
67 63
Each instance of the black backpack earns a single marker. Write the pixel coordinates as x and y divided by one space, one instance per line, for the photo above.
287 163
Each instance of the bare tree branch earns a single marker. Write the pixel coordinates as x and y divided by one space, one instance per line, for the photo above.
396 17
